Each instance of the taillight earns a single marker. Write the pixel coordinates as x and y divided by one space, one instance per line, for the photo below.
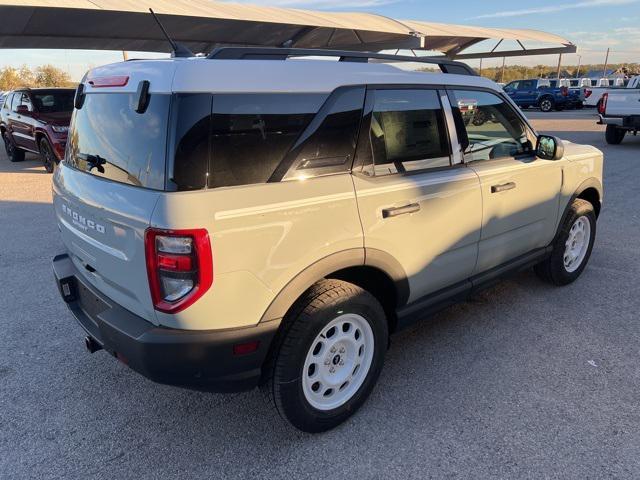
602 104
587 93
179 267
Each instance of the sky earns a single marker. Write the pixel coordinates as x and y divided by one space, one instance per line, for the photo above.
593 25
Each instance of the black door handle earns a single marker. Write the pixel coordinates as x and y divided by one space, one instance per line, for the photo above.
503 187
395 211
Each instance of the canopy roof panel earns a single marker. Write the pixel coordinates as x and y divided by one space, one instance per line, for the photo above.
204 24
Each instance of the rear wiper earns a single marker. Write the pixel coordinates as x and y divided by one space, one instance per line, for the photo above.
93 161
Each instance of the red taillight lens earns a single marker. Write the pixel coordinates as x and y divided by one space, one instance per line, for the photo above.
602 104
179 267
115 81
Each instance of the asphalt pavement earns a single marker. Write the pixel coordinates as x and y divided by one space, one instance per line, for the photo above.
524 381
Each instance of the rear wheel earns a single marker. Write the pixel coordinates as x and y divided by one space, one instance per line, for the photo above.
329 357
13 152
572 246
479 118
546 104
614 135
48 157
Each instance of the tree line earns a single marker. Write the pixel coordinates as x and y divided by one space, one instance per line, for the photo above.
517 72
42 76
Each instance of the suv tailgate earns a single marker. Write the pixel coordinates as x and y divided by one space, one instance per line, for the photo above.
102 225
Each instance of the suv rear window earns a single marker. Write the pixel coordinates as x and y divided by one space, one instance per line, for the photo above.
223 140
110 140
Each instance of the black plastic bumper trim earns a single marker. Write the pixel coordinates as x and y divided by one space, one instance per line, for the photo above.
201 360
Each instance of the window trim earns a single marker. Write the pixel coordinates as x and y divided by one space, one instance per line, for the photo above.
364 147
529 130
289 161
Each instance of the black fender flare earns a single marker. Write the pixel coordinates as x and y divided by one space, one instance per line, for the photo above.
591 182
354 257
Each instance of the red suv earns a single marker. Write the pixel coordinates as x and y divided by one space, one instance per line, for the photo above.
37 120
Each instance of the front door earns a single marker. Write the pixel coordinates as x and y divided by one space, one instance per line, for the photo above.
416 204
520 193
22 122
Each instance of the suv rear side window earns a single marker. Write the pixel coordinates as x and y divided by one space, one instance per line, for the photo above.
110 140
492 129
407 131
252 133
236 139
328 144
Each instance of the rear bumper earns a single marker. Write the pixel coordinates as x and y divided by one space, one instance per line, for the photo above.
202 360
631 122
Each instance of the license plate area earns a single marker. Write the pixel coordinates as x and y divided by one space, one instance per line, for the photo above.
89 302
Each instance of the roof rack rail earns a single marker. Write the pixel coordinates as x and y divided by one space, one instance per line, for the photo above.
277 53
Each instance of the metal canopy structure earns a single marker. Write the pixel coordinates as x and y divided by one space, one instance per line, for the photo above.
203 25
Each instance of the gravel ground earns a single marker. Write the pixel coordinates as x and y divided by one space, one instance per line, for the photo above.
525 381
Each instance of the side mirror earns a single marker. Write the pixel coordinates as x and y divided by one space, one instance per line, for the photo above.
549 148
22 109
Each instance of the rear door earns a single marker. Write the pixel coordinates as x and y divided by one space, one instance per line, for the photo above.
520 193
527 93
107 189
417 204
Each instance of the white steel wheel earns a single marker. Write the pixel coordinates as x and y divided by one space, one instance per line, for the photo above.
577 244
338 361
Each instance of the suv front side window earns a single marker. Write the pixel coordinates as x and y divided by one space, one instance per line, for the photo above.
16 101
492 130
407 131
7 101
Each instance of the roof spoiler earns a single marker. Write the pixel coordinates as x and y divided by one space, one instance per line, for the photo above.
276 53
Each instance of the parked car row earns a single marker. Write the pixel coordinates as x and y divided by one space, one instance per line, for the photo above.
554 94
542 93
36 120
594 94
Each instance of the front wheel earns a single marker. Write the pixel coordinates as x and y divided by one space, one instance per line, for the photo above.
546 105
614 135
329 356
572 246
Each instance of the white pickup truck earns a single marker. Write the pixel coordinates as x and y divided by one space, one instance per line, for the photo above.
593 95
619 110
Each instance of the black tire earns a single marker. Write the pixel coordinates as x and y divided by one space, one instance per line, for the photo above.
614 135
48 157
553 269
546 104
479 118
312 312
13 152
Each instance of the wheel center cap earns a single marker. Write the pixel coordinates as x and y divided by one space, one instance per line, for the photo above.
336 360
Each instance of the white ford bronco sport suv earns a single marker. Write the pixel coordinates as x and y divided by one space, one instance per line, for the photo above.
251 219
